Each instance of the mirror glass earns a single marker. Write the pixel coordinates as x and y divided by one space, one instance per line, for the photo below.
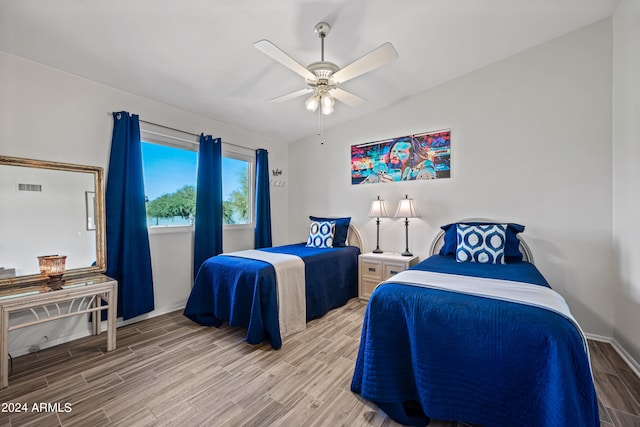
49 208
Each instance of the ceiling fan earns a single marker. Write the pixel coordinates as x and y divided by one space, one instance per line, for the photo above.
323 77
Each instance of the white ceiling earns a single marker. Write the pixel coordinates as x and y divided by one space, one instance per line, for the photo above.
197 55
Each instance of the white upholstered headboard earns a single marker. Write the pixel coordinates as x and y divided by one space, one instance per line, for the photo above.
438 240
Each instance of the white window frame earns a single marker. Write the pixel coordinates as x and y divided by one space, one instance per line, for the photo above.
159 135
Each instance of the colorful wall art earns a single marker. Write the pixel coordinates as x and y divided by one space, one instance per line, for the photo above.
406 158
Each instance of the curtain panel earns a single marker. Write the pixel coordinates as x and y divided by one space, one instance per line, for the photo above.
128 254
208 227
262 230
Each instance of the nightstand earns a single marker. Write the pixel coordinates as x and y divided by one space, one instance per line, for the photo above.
375 268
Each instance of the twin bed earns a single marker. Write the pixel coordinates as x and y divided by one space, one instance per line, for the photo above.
240 289
483 343
486 343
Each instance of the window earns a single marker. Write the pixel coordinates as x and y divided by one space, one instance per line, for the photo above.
170 172
169 184
236 194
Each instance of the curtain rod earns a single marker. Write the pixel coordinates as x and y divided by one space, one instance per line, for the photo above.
185 132
167 127
188 133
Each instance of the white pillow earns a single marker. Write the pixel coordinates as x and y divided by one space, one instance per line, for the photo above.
321 234
481 243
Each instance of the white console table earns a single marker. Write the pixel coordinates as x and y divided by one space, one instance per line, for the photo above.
85 294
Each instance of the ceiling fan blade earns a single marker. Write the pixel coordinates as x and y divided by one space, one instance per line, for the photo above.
348 98
292 95
376 58
268 48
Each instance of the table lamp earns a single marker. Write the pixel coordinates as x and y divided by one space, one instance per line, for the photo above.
406 210
53 266
378 210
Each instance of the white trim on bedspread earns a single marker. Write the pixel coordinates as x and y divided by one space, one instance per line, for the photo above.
290 285
519 292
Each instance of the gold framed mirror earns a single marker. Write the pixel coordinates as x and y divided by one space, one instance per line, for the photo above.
50 208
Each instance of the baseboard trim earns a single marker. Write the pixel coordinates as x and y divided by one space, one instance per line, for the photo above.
154 313
633 364
53 342
595 337
628 359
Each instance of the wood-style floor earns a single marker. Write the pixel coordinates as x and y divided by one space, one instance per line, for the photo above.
168 371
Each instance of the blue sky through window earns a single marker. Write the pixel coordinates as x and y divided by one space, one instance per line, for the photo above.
167 169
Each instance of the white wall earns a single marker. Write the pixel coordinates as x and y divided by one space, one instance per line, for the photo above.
50 115
531 143
626 173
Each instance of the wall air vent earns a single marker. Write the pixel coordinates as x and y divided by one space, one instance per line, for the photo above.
29 187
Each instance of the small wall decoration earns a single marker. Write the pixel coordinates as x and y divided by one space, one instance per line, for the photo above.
406 158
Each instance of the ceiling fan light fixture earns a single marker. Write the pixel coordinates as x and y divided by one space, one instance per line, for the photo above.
311 104
326 102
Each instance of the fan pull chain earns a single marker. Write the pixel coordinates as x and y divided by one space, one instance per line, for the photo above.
320 119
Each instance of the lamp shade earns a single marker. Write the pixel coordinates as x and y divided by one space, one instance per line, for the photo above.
378 209
52 265
406 209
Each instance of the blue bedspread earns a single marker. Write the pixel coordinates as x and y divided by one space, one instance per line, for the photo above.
243 291
466 358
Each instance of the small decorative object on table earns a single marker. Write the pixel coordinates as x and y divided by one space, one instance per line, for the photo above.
53 266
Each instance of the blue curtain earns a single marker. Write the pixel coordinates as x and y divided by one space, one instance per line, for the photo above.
262 231
208 229
128 254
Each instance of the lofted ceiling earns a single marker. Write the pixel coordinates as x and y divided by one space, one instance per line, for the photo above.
198 55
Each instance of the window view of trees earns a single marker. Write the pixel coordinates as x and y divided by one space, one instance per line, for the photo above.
235 208
181 203
168 168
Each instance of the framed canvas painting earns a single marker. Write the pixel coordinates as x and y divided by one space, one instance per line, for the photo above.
406 158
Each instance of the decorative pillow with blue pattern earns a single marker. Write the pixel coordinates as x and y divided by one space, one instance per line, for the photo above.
481 243
321 234
342 229
511 248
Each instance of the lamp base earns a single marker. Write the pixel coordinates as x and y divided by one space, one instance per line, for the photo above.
377 251
406 253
